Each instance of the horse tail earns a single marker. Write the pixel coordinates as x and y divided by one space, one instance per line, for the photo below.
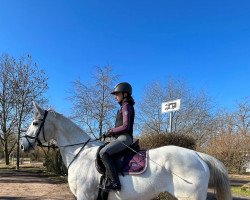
218 177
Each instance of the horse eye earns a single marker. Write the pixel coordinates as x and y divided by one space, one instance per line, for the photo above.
35 123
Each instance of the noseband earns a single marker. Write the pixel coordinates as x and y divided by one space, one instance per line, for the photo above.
38 132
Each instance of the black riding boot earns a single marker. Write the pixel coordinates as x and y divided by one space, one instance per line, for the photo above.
111 173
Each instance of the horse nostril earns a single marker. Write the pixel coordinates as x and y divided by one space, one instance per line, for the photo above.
22 147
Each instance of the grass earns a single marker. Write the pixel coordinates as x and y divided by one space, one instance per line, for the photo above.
240 192
3 166
59 179
27 165
38 168
245 177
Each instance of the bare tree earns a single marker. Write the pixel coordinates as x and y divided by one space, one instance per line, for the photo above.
242 129
149 118
93 106
194 117
30 84
21 82
231 142
242 118
8 116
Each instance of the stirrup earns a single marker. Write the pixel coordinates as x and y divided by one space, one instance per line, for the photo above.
110 185
113 186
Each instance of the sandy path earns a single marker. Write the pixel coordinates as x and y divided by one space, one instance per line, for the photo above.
30 185
34 185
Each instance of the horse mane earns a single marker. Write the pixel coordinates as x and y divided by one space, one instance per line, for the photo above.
74 126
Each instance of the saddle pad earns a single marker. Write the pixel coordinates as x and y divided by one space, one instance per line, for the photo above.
135 164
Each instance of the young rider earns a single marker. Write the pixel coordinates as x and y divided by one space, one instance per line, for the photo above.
123 132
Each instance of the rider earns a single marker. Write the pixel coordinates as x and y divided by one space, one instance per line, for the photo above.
123 132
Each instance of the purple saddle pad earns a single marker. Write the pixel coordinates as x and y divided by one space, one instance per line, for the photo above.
126 162
134 164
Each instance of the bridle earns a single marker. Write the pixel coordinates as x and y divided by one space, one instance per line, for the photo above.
41 127
36 137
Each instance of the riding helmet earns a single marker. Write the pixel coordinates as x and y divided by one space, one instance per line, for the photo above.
122 87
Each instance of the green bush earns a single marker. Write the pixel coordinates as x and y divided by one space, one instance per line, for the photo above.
54 163
149 141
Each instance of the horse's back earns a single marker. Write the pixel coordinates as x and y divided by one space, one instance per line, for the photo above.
179 161
185 170
177 157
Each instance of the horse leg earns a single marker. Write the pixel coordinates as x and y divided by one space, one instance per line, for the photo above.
197 190
190 185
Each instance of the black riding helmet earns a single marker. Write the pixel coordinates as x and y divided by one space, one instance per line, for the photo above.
122 87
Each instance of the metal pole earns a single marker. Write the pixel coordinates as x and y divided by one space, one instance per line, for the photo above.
170 122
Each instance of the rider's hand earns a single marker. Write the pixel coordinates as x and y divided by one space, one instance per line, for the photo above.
104 135
109 133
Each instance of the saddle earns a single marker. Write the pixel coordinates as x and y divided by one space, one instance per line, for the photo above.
132 160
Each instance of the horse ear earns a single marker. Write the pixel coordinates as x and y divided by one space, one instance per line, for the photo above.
38 109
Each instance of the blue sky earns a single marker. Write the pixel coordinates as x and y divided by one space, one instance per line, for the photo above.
206 43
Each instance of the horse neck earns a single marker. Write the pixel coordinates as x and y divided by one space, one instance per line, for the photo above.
68 133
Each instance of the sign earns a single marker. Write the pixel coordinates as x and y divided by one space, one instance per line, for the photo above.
170 106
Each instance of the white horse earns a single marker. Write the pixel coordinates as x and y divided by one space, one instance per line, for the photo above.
183 173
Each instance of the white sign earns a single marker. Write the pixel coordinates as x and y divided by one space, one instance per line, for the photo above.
171 106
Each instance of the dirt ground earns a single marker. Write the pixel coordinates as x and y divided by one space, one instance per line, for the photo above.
32 185
35 185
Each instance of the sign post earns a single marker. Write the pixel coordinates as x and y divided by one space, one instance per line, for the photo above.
170 106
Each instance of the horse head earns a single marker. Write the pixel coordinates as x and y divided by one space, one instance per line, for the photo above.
39 130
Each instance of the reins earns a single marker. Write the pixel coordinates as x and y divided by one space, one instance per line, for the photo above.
78 153
70 145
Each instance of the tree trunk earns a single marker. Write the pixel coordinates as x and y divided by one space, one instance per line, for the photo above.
6 152
18 141
18 152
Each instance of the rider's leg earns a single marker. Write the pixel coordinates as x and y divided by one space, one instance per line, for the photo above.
117 145
114 147
111 173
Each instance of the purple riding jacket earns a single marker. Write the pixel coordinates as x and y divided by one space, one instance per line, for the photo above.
124 120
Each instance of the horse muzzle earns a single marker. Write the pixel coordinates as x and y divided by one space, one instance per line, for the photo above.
26 146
